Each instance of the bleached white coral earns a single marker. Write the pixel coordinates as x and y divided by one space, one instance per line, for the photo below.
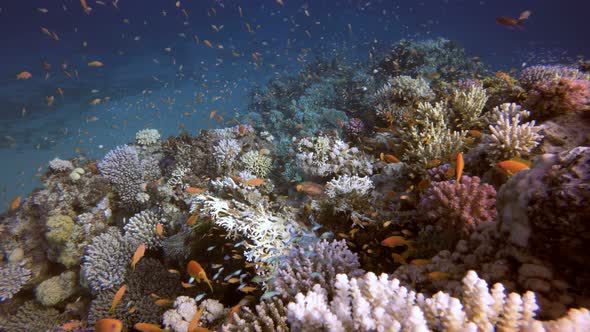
468 106
147 137
176 177
256 163
324 155
374 303
511 137
60 165
141 228
179 318
226 151
349 184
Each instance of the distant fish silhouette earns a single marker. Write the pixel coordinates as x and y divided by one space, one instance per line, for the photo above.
514 22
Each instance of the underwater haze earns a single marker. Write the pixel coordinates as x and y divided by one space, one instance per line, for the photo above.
290 165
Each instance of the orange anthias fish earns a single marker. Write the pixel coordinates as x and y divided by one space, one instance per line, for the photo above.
514 22
23 75
310 188
247 299
512 166
85 7
438 275
255 182
15 203
118 297
193 326
194 190
390 158
460 165
108 325
159 230
95 64
139 252
146 327
394 241
196 271
192 219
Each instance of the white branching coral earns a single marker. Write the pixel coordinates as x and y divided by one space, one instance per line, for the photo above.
431 138
324 155
349 194
147 137
267 233
141 228
349 185
468 106
374 303
176 177
226 151
510 137
256 163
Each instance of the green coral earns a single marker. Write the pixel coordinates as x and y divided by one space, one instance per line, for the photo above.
256 163
54 290
60 228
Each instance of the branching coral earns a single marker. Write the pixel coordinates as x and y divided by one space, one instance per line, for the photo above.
256 163
147 137
349 194
141 228
317 264
269 316
106 261
459 207
324 155
12 279
374 303
31 317
510 137
128 174
226 151
468 106
400 93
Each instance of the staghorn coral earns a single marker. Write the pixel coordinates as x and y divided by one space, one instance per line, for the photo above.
56 289
510 137
141 228
374 303
467 107
147 137
256 163
12 279
459 207
317 264
324 156
128 174
106 260
31 317
269 316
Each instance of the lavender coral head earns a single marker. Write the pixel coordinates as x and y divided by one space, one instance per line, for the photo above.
355 127
534 75
460 206
554 97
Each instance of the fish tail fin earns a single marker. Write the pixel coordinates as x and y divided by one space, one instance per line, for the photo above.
209 284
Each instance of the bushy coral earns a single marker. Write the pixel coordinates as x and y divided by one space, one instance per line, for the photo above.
554 97
349 194
56 289
128 174
405 90
510 137
354 127
106 261
147 137
325 155
12 279
459 207
226 152
317 264
141 228
60 165
256 163
374 303
467 107
268 316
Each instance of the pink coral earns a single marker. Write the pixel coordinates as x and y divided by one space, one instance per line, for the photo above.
459 207
553 97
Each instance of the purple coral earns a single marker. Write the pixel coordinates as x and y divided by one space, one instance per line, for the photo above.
554 97
460 206
355 127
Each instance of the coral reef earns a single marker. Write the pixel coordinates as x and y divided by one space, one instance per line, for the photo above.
555 97
270 316
179 318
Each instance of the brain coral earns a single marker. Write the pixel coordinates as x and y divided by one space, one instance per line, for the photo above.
106 261
459 206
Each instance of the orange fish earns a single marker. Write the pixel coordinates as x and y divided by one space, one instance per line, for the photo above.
159 230
310 188
71 325
247 289
163 302
23 75
247 299
146 327
196 271
255 182
438 275
15 203
108 325
212 114
85 7
236 178
95 64
187 285
391 159
95 101
192 219
208 43
118 297
514 22
394 241
139 252
399 259
433 163
420 262
424 184
194 190
512 166
460 165
194 323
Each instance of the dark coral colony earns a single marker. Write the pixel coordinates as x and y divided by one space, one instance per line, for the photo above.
416 192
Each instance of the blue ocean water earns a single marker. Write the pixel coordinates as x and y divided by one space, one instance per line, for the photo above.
159 73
